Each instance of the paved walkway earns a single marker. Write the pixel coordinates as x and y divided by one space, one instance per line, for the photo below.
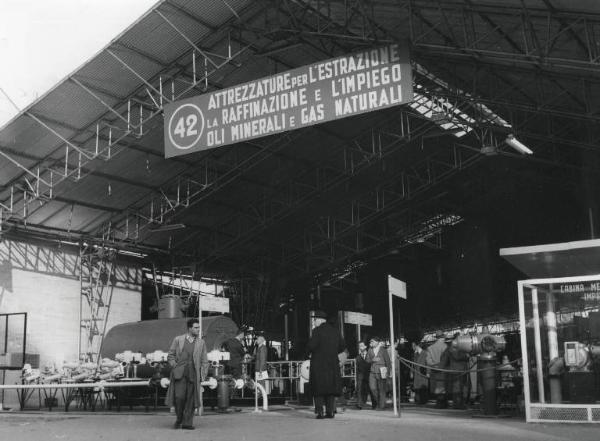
284 423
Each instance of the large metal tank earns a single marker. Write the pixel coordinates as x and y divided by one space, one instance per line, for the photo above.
151 335
170 307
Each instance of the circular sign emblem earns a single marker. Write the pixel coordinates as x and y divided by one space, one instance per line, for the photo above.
186 126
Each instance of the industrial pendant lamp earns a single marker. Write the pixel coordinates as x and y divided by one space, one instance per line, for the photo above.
518 145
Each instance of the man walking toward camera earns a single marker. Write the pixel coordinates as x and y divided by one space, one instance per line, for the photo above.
189 366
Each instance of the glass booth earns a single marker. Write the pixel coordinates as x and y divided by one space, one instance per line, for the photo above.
560 343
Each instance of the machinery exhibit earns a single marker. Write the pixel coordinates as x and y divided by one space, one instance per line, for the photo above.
421 176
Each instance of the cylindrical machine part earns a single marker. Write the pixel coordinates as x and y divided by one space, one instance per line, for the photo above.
537 339
169 307
285 346
223 391
554 380
487 367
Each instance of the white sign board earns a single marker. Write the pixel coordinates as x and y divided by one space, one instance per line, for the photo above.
215 304
397 287
358 318
352 84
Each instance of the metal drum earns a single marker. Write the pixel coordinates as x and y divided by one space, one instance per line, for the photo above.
223 391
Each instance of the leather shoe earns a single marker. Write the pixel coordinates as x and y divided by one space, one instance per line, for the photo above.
329 415
319 416
188 427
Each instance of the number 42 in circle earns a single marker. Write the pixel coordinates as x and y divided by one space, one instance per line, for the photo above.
186 126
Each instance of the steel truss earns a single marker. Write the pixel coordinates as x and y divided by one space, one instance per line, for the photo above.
532 41
97 285
132 117
347 236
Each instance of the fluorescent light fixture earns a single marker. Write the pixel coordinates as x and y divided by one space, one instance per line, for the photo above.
167 227
518 145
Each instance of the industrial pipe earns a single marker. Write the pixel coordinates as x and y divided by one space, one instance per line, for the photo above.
551 325
211 383
50 378
99 384
257 386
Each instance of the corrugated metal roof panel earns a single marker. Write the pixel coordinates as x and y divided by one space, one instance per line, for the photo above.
214 12
104 192
156 37
70 105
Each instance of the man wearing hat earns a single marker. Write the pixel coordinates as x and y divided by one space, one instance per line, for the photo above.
325 378
236 354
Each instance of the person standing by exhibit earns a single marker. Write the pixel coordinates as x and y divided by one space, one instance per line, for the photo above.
260 360
420 380
189 366
236 354
459 363
437 382
325 379
363 369
381 368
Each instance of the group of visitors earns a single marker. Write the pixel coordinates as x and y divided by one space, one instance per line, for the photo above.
373 369
430 376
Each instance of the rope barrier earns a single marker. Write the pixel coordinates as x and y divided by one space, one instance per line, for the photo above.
411 365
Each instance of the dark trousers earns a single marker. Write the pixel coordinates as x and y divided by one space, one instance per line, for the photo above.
362 390
328 401
422 395
378 388
184 401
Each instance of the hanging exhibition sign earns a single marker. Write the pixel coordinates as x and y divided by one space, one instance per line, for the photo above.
358 318
332 89
215 304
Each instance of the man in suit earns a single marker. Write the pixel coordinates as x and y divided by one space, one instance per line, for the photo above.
260 361
236 354
381 368
363 368
325 379
189 366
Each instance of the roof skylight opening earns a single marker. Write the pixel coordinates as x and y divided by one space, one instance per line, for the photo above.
448 115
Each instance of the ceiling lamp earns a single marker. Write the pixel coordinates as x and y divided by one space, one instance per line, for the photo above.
518 145
167 227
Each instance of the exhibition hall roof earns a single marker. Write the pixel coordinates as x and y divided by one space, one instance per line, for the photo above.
85 162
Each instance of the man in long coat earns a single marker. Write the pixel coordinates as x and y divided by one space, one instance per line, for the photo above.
435 359
458 361
325 378
189 366
420 380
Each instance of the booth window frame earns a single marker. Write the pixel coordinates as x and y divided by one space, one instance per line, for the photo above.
592 410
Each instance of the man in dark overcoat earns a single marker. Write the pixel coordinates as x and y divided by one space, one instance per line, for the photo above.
325 377
236 354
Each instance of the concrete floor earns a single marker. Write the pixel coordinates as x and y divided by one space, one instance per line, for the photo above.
285 423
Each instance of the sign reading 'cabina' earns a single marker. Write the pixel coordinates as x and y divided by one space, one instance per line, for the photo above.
323 91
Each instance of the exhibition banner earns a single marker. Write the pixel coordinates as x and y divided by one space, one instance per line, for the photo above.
358 318
328 90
